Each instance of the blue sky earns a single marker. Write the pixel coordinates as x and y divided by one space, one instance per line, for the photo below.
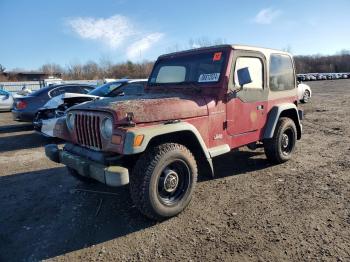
36 32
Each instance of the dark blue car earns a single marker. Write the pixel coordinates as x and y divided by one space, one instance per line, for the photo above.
26 107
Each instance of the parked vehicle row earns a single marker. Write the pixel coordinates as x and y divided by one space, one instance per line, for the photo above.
322 76
26 107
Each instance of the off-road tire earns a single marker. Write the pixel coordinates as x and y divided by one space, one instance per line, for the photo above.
145 180
273 146
83 179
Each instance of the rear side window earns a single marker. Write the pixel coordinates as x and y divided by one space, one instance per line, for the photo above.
255 67
281 73
66 89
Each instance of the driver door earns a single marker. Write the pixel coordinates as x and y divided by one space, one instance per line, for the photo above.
246 106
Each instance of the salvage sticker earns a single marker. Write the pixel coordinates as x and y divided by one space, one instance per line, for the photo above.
209 77
217 56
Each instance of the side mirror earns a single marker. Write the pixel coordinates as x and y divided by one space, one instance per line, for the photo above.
243 76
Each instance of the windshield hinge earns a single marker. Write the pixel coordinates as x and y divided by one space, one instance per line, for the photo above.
224 125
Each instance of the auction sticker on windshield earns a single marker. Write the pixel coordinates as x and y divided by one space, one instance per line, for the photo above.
214 77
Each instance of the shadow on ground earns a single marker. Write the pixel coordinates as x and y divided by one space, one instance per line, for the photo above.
15 128
43 215
27 140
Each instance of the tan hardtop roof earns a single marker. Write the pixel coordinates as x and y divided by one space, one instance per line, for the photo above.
265 51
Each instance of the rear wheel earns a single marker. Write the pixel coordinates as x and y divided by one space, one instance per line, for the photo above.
281 146
163 181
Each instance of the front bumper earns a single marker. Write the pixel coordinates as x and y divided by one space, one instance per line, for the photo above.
110 175
45 126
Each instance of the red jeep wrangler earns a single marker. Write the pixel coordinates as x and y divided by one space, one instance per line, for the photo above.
198 104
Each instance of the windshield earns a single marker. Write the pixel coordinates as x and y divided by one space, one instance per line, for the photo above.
194 68
105 89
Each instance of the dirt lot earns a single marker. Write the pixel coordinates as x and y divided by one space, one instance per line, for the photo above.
251 211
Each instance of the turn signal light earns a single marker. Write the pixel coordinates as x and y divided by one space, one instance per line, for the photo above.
138 140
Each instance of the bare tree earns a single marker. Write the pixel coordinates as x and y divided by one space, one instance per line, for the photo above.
91 70
2 68
51 68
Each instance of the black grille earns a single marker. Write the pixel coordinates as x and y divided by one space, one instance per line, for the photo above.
87 128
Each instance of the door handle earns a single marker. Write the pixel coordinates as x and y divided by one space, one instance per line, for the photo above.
260 107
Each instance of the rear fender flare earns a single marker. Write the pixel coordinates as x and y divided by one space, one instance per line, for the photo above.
276 113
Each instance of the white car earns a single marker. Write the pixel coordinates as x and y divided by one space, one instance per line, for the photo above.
47 116
304 93
6 100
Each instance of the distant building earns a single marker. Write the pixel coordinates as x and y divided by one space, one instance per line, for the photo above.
29 75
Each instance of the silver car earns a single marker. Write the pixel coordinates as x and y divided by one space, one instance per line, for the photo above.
6 100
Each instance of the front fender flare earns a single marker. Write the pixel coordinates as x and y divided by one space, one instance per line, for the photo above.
162 129
157 130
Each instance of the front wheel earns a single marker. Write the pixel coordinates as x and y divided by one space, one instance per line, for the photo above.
281 146
163 181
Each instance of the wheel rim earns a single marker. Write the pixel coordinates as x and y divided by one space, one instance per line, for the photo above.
287 142
173 182
306 96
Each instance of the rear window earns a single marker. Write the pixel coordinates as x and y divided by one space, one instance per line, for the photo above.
202 68
281 73
42 91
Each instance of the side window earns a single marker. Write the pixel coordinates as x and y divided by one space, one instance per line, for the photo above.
133 89
84 89
255 67
65 89
56 92
281 73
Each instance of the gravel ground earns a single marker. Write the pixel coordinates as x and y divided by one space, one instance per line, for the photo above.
252 211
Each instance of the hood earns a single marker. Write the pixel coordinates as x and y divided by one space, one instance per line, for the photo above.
151 107
67 97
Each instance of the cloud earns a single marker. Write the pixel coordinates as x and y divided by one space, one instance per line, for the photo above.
117 32
266 16
112 31
136 48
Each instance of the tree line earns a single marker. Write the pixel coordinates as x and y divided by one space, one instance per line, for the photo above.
106 69
338 63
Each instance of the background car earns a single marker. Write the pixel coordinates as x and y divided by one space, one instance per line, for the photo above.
304 93
6 101
26 107
55 108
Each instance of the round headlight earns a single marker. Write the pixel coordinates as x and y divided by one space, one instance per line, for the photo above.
107 128
70 121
